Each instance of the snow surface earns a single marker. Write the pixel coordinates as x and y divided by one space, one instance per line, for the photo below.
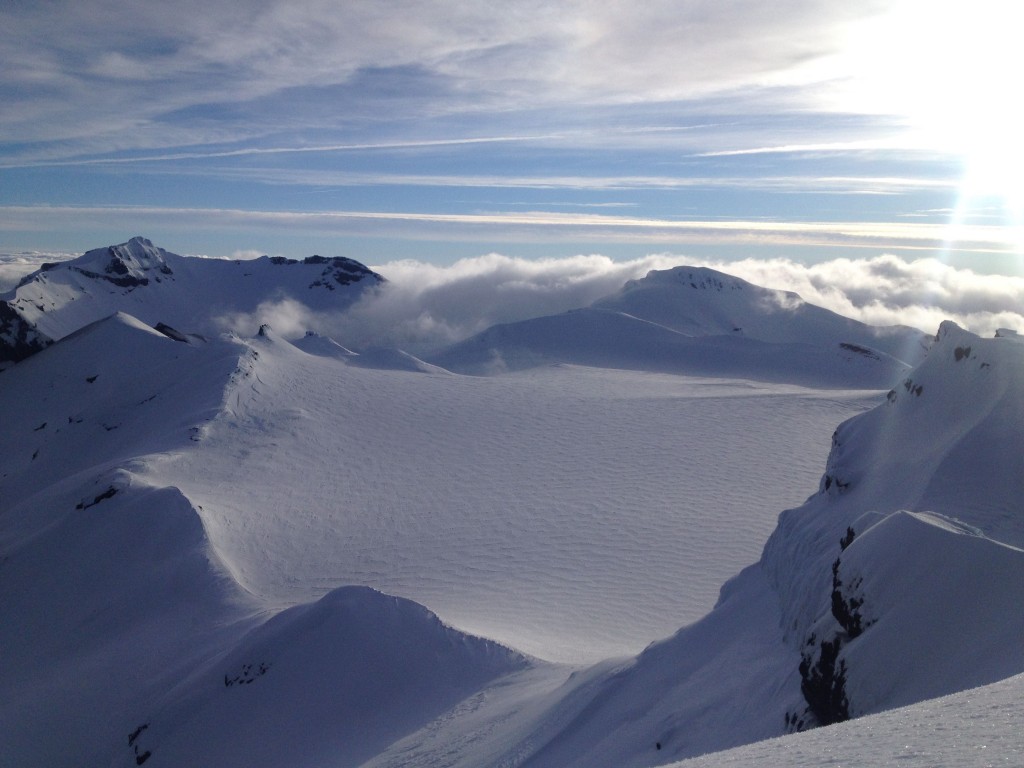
194 530
976 728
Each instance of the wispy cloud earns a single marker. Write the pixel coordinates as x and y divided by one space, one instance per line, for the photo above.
549 225
158 67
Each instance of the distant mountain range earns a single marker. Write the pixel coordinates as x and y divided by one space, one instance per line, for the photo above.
684 320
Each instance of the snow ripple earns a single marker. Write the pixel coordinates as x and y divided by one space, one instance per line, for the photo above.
575 514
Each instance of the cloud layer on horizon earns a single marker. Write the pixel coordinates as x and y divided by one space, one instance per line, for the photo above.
425 306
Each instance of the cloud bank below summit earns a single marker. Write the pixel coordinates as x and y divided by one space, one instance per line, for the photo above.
426 306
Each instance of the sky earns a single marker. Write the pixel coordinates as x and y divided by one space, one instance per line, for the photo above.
440 130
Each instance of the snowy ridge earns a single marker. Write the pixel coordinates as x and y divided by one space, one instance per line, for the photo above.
146 617
699 322
946 441
913 541
197 532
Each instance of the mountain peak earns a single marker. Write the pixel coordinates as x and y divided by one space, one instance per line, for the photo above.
696 278
128 265
193 295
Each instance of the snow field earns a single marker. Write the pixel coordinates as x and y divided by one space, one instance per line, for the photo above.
574 514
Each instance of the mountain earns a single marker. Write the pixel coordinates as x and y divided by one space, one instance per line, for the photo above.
128 631
197 533
899 580
700 322
193 294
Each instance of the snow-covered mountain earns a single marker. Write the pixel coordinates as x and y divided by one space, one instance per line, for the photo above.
700 322
196 529
156 286
899 581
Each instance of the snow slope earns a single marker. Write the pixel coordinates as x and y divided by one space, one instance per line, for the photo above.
122 623
893 585
193 530
700 322
977 728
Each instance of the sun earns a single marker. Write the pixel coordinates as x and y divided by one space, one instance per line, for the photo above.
950 72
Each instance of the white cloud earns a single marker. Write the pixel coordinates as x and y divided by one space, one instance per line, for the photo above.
146 62
424 306
891 290
287 317
14 266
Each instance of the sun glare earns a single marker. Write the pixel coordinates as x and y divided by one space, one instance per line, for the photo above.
950 71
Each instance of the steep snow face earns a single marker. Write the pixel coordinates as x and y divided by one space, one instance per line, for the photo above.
912 547
699 322
191 294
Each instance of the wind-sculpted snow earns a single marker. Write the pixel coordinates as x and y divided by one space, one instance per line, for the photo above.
540 509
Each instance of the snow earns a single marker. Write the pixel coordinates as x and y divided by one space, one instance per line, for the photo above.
976 728
538 509
195 294
247 551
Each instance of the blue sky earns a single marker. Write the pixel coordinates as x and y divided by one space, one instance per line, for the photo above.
395 129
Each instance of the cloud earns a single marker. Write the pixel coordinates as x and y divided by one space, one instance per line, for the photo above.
891 290
287 317
179 72
538 226
14 266
424 307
